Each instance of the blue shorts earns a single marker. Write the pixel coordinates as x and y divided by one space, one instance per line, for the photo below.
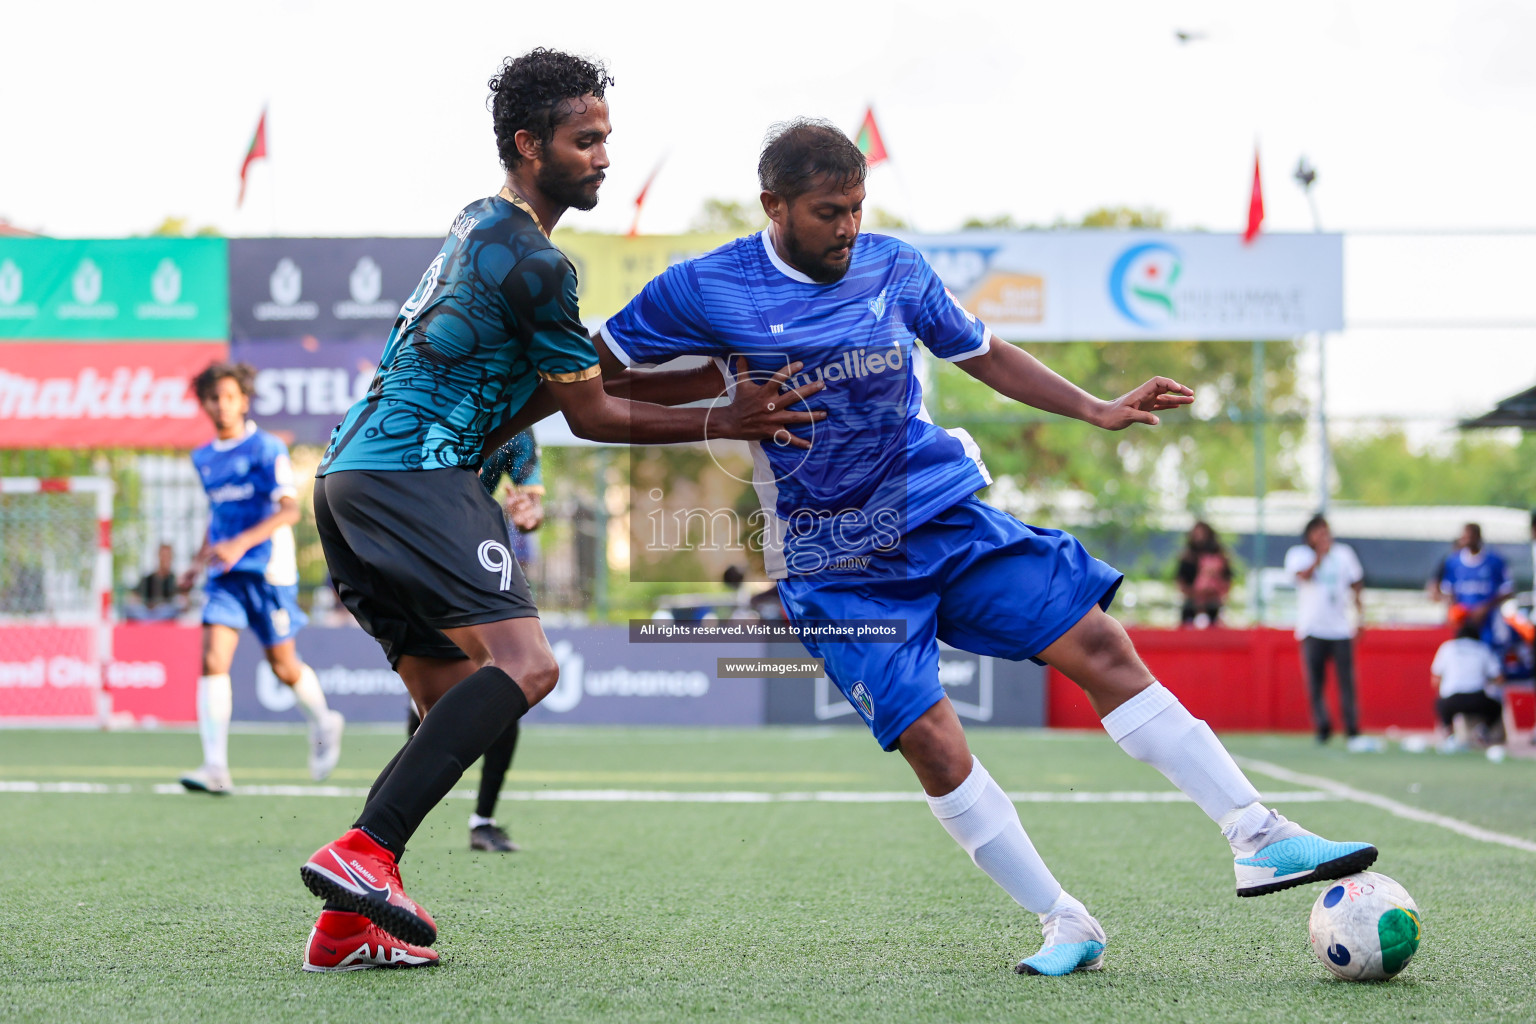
972 576
241 599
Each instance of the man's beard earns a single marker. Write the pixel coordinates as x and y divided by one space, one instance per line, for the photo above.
567 190
815 265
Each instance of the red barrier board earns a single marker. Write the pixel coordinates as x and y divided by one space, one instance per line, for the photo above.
48 672
52 671
117 394
154 671
1252 680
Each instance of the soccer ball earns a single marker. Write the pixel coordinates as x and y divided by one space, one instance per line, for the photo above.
1365 927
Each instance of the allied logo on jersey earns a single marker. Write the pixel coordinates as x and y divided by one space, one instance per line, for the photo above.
85 289
365 284
855 363
877 305
165 290
286 287
11 306
861 699
1141 283
232 492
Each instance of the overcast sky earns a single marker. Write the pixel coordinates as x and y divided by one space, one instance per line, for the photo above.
1417 115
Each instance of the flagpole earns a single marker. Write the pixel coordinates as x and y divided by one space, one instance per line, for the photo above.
271 178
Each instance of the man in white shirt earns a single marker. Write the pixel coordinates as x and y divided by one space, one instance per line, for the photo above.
1466 673
1327 577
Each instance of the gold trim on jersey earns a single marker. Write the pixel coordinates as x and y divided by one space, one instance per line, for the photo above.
572 378
522 204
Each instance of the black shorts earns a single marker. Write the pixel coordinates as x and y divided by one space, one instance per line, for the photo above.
415 552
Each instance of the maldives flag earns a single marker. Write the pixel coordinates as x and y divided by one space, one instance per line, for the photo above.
869 141
257 151
1255 203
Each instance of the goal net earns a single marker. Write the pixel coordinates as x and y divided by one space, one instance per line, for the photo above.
55 598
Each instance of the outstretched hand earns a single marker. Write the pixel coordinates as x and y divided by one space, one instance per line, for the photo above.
1141 405
761 412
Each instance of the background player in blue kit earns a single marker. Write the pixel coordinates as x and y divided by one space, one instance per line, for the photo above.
877 520
253 578
1478 581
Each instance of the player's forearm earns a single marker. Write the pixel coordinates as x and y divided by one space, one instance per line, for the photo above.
1014 373
667 387
540 405
287 515
621 422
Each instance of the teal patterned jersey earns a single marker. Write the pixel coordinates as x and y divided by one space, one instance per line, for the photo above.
495 311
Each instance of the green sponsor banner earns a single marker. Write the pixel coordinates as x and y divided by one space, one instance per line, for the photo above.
131 288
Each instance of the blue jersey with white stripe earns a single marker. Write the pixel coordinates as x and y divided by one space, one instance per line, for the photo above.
245 478
878 466
1472 579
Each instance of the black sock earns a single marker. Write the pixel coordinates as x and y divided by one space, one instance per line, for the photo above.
378 783
493 772
460 727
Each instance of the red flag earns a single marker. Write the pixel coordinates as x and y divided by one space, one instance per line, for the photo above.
257 151
1255 203
634 225
869 141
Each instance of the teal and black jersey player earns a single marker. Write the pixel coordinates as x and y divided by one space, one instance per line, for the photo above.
416 547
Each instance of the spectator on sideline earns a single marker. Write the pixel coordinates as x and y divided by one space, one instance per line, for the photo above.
1476 582
1466 673
157 598
1204 576
1327 574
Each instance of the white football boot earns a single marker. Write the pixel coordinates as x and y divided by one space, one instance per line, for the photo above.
325 745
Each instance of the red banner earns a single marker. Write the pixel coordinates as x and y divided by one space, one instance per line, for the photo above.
89 395
52 672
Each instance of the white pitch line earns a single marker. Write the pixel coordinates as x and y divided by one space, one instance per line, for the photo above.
669 796
1387 804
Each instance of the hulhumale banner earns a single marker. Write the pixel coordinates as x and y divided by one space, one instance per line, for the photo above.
160 288
323 287
1141 286
107 394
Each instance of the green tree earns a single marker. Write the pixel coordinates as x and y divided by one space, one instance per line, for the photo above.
181 227
878 218
728 217
1477 468
1123 217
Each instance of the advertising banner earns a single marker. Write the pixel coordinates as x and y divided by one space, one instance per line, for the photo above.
161 288
604 680
326 287
52 672
102 395
611 269
1139 286
154 670
305 385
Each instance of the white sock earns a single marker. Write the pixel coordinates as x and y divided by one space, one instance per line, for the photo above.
981 818
310 697
1153 727
214 705
475 821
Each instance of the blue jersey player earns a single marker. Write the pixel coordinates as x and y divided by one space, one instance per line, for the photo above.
252 577
1478 581
877 520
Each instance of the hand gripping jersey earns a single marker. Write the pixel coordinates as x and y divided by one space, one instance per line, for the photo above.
494 311
245 477
878 466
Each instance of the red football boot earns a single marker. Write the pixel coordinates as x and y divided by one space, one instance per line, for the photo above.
341 941
362 876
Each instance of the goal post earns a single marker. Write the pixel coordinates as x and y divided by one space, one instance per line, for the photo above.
55 599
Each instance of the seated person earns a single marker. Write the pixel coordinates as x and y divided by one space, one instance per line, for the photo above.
157 598
1464 672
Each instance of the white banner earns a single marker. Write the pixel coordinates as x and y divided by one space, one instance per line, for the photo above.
1142 285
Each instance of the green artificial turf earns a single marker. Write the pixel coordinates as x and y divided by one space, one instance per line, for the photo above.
142 906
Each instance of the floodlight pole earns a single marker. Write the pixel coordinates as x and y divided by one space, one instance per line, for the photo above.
1305 175
1260 482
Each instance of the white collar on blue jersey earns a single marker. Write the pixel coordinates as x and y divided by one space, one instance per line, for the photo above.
234 442
782 267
